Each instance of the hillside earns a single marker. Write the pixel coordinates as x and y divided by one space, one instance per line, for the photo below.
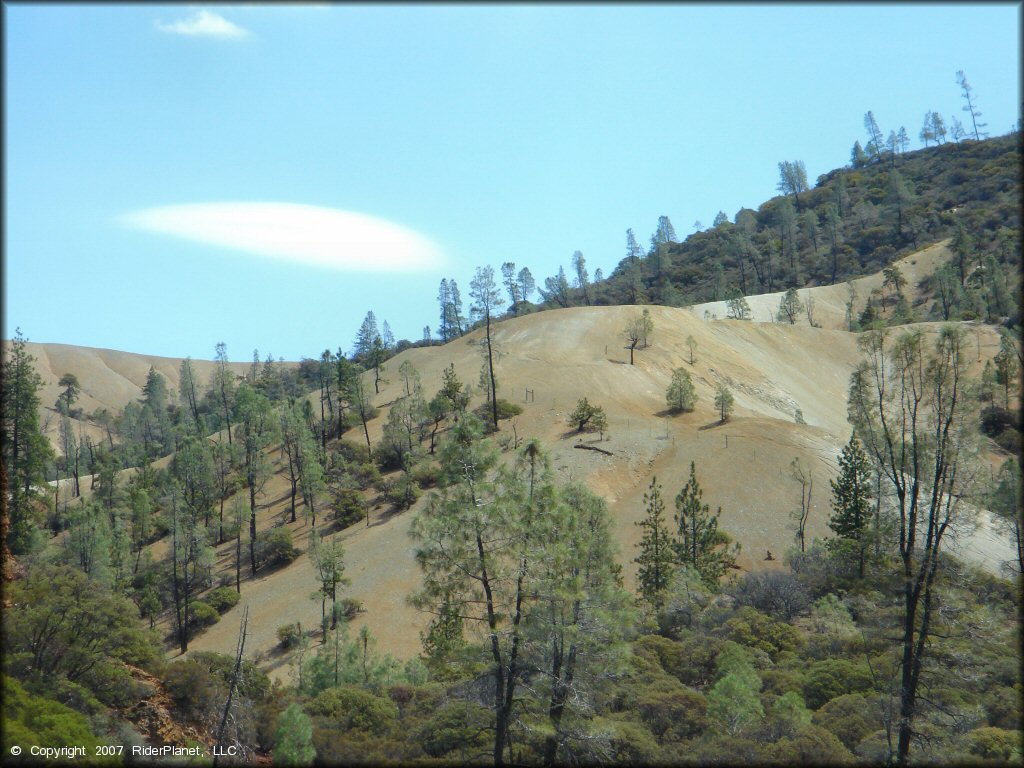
562 355
109 379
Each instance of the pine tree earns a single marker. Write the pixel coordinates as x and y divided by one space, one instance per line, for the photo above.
656 555
851 492
25 451
723 401
700 545
368 333
681 395
294 742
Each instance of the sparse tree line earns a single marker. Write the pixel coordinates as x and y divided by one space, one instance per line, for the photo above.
854 220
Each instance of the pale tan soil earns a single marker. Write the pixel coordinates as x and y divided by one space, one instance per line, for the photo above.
108 378
563 355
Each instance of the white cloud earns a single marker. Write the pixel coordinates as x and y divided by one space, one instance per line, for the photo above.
325 237
203 23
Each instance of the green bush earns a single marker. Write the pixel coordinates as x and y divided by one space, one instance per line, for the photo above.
275 547
201 616
811 746
288 635
851 717
1002 707
222 599
349 506
834 677
351 708
995 744
29 719
194 692
754 629
426 474
402 492
671 711
456 729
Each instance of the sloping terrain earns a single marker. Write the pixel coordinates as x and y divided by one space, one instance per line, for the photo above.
108 378
560 356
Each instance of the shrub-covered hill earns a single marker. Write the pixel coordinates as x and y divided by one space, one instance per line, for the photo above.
854 221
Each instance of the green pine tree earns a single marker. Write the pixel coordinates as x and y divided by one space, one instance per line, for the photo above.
700 545
294 738
681 395
851 506
656 556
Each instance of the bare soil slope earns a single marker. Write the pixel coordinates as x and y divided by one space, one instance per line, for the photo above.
563 355
108 378
560 356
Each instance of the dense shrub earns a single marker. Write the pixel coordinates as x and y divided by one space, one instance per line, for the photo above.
275 548
222 599
201 616
288 635
810 746
456 731
754 629
349 506
671 711
402 492
834 677
194 692
33 720
426 474
350 708
851 717
1002 707
995 744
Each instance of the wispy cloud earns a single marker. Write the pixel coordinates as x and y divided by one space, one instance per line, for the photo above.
203 23
325 237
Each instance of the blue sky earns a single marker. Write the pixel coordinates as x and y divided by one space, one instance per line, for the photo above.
180 175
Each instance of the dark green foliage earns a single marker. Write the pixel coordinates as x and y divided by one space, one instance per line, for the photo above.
402 492
699 543
588 417
61 626
190 686
681 395
831 678
456 731
222 599
671 711
289 635
275 548
850 717
23 448
656 553
811 746
200 616
851 507
995 744
876 219
349 506
349 708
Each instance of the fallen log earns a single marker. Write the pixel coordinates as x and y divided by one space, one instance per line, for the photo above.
581 446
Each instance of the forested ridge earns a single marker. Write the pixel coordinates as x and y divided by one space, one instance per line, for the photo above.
875 643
